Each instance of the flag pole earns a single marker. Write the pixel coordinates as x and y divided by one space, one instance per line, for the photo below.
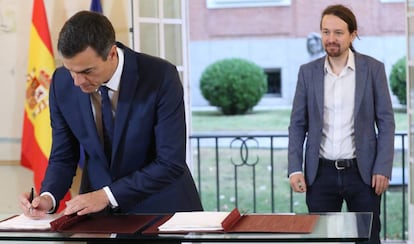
131 29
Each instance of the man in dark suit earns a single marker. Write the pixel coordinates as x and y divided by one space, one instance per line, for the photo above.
342 107
144 170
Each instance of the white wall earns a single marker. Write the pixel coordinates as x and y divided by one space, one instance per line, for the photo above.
15 180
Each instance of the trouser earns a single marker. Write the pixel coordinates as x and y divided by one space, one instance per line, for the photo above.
333 186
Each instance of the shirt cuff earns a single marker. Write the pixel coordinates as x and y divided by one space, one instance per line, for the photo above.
112 201
46 193
295 173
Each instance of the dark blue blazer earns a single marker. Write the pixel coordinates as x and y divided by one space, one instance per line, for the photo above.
374 124
148 170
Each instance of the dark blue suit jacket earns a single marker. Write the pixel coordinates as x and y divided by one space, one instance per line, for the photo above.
148 170
373 119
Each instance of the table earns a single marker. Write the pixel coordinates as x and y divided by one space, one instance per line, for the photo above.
331 227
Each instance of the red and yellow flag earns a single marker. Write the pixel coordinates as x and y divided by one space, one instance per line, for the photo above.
37 133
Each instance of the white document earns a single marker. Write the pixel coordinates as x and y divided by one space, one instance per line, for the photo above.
195 221
21 222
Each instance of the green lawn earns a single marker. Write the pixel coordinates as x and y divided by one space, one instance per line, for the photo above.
258 120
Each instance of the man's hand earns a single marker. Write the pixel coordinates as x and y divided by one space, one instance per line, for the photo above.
39 206
380 183
297 182
87 203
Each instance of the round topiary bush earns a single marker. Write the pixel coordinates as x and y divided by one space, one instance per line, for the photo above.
235 85
398 80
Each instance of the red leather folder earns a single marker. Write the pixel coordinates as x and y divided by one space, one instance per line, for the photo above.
254 223
275 223
120 224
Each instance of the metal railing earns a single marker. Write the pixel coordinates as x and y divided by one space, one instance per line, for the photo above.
249 171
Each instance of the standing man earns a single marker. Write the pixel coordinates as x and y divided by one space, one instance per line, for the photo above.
342 107
135 159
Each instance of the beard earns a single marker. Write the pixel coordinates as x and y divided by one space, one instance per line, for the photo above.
333 50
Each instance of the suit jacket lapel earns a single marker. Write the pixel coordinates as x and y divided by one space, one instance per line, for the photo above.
127 90
319 84
360 81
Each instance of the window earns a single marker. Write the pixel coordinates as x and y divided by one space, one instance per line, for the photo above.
273 82
246 3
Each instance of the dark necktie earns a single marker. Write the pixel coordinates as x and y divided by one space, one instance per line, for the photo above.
107 121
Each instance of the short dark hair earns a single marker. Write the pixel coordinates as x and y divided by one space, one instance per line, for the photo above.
86 29
344 14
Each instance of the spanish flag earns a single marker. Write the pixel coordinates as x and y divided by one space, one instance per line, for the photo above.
37 133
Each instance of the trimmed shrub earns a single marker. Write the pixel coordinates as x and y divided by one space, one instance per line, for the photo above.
235 85
398 80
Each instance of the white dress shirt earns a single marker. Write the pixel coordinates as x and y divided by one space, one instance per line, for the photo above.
338 112
113 92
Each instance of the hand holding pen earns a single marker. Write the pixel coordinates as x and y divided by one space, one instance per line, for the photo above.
26 202
36 206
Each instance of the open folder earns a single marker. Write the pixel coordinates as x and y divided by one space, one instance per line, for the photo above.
121 224
234 222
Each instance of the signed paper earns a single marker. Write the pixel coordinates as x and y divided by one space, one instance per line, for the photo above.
21 222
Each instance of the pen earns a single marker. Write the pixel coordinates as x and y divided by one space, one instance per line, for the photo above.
31 199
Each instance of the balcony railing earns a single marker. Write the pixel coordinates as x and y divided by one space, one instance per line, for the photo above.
249 171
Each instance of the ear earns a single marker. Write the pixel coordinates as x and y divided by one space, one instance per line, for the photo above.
112 53
354 35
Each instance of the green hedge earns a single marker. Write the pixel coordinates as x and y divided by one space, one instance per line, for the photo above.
235 85
398 80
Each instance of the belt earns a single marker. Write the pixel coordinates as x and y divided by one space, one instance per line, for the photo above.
339 164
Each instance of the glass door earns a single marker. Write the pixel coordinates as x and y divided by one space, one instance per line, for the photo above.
160 29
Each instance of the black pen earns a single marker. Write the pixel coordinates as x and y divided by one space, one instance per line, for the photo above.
31 199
